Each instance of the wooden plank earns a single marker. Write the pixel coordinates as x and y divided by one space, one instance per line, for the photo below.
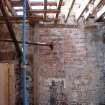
12 84
81 10
96 3
71 3
4 99
7 85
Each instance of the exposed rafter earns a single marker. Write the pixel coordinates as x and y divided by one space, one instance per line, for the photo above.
71 4
9 6
59 8
100 13
96 3
29 13
10 28
82 8
45 8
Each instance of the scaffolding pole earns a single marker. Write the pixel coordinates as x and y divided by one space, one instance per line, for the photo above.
24 81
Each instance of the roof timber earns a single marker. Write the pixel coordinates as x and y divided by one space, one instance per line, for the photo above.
45 8
96 3
10 28
41 11
81 10
16 3
28 8
59 8
18 20
9 6
100 13
71 4
49 3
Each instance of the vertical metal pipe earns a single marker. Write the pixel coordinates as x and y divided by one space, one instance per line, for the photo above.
24 82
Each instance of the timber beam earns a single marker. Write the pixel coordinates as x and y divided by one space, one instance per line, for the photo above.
92 9
81 10
59 8
10 8
18 3
70 8
10 28
100 13
18 19
57 26
30 43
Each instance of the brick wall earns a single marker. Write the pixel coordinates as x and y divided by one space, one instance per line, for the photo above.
78 59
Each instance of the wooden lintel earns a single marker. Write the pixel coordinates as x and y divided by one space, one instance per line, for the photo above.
57 26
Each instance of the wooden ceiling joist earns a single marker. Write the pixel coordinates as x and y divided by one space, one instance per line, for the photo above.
96 3
71 4
82 8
